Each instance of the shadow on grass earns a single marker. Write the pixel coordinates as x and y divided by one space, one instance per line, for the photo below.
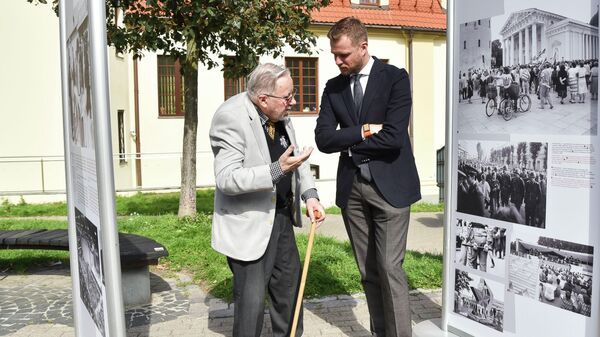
27 261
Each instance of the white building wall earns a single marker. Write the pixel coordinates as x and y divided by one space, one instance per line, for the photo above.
31 115
119 100
31 120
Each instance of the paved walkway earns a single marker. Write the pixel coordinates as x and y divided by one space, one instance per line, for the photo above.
425 231
39 303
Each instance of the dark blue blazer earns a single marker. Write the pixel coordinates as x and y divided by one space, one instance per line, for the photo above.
387 100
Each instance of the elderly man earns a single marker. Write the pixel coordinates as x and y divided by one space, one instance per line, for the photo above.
260 176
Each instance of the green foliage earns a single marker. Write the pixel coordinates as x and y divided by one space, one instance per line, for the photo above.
155 204
138 204
205 31
332 270
161 203
421 207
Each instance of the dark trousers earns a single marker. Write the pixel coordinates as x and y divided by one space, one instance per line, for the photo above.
378 232
278 272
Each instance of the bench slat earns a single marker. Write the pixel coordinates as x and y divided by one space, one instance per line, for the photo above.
53 237
14 235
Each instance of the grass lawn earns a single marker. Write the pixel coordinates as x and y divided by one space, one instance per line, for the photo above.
152 204
332 270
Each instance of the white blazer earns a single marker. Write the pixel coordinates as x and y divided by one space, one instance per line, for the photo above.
244 208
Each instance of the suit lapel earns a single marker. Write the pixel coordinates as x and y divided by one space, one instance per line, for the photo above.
257 129
290 131
372 87
348 100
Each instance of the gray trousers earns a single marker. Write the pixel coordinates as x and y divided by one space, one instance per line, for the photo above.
378 232
277 271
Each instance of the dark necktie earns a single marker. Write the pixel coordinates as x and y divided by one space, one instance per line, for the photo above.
358 94
365 172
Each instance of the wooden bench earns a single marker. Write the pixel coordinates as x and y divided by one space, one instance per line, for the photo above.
137 253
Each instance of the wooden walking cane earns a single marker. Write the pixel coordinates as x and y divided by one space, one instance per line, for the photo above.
311 237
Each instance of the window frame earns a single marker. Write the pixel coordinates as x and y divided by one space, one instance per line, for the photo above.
121 136
298 84
178 88
369 4
240 83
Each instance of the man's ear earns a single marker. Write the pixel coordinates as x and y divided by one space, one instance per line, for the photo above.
261 100
364 45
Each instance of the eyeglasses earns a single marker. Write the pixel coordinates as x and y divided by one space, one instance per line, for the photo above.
287 99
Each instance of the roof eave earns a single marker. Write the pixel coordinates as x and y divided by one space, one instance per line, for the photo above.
414 28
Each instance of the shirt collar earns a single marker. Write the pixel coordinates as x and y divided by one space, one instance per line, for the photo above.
366 70
261 115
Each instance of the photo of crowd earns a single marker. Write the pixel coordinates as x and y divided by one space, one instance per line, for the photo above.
80 86
479 299
503 181
90 278
561 270
480 247
537 63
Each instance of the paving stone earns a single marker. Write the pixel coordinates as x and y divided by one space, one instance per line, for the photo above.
40 305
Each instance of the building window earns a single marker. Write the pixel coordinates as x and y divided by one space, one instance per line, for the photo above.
121 130
369 2
466 23
316 171
478 43
465 44
305 76
233 86
170 87
479 22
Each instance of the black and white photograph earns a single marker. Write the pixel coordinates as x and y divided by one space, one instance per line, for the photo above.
531 70
479 299
90 278
80 85
554 272
505 181
480 247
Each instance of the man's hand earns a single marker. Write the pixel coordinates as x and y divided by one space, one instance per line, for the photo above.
314 206
289 162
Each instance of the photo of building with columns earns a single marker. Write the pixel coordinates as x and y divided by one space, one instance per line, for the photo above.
533 35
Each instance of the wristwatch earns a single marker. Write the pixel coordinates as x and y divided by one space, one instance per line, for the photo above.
366 128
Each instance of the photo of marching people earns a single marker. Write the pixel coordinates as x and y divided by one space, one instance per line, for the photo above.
80 87
503 181
554 272
479 299
89 268
531 70
480 247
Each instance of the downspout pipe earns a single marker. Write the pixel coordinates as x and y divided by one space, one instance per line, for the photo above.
136 108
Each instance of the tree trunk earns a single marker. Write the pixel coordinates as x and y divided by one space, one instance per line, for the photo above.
187 199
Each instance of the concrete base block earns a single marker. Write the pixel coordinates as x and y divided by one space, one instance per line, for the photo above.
136 286
431 328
